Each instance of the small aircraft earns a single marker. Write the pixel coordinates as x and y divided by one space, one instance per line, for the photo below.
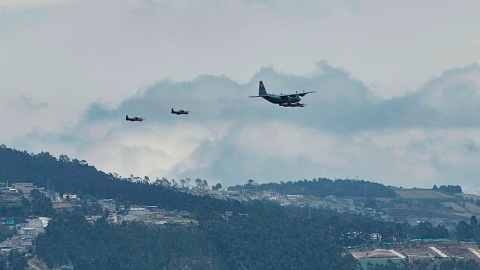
134 119
179 112
289 100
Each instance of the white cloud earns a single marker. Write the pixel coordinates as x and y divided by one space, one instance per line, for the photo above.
289 141
16 3
412 140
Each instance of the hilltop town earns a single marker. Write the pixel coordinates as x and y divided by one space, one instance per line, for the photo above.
456 207
411 206
62 202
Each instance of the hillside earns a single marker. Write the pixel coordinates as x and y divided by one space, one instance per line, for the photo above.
412 203
421 194
74 176
323 187
269 237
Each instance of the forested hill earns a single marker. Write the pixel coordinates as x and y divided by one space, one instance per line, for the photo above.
268 239
323 187
74 176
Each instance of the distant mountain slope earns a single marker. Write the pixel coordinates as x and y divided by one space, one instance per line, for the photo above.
323 187
73 176
421 194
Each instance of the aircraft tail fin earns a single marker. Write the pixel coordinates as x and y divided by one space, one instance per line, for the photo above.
261 89
172 110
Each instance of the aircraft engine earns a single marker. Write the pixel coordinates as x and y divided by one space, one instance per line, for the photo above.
294 99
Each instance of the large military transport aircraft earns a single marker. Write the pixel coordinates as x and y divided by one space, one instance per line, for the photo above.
179 112
289 100
134 119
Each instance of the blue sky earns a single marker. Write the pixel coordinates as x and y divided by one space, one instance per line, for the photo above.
397 86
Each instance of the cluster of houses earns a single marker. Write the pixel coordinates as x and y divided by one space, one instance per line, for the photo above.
25 233
449 223
339 205
149 215
15 192
152 215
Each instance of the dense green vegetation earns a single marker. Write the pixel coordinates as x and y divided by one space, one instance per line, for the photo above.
264 240
16 261
468 232
449 189
425 230
11 210
272 240
39 205
73 241
5 232
271 237
323 187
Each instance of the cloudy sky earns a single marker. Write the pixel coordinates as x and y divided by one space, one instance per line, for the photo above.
397 101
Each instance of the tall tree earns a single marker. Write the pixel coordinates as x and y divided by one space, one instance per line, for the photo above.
473 221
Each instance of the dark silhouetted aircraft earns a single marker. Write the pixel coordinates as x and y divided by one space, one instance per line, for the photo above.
134 119
289 100
179 112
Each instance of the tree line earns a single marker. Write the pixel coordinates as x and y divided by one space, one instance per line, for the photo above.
323 187
74 176
449 189
264 240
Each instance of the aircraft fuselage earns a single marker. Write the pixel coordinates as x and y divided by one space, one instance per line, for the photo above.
275 99
179 112
133 119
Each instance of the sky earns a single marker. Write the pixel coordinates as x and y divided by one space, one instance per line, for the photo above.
397 88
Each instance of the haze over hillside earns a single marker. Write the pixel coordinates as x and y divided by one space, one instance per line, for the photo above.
308 220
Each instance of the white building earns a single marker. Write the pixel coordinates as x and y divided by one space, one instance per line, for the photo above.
293 197
24 187
29 231
137 211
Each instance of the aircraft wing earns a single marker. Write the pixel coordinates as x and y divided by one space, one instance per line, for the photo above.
298 94
260 96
